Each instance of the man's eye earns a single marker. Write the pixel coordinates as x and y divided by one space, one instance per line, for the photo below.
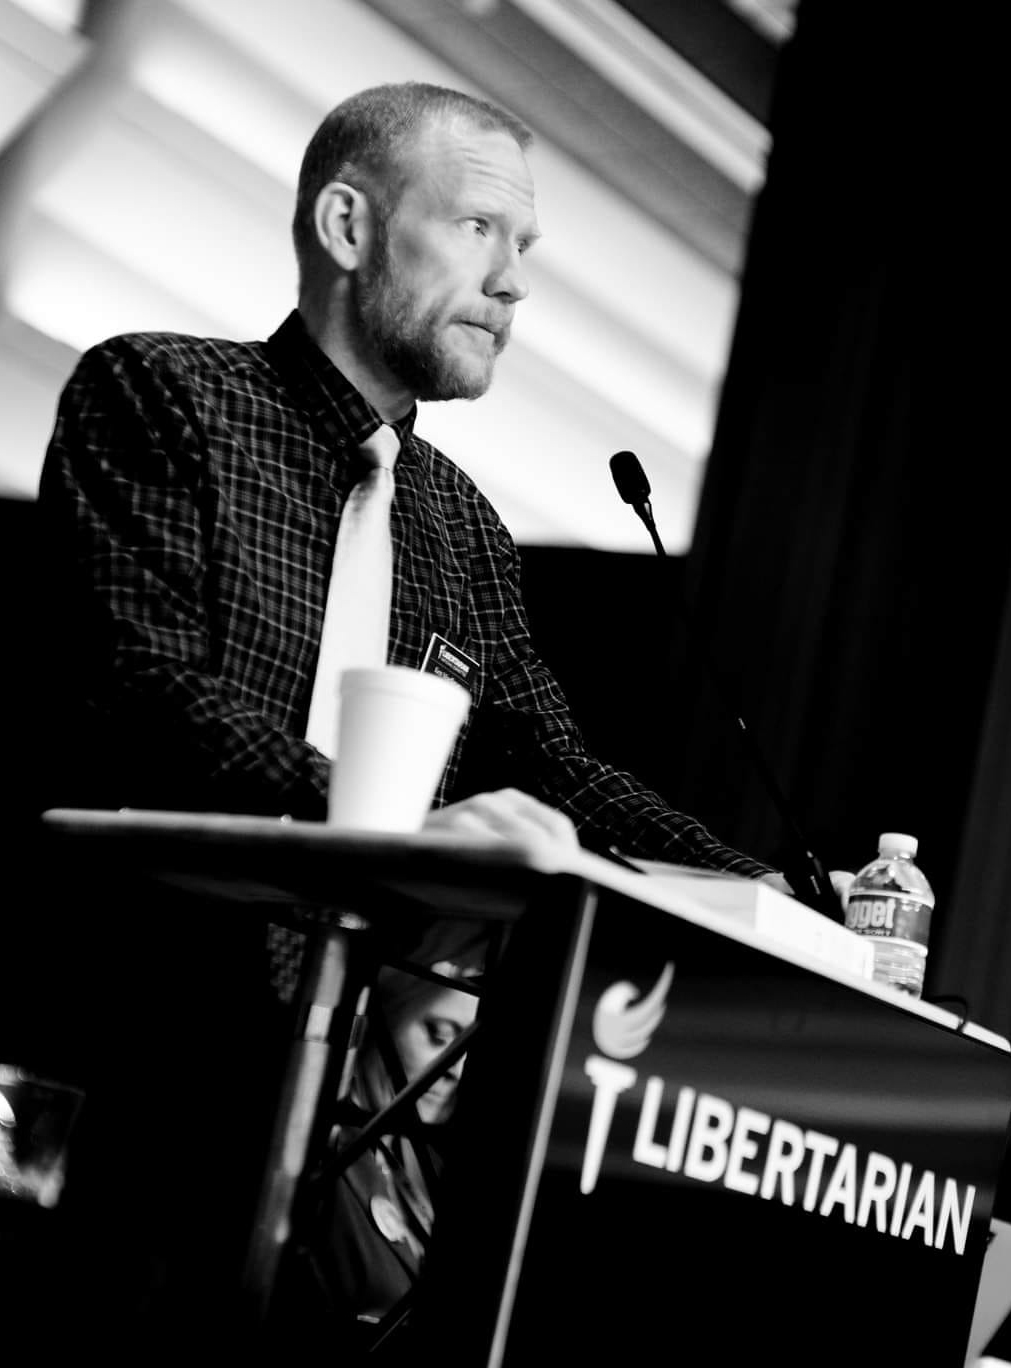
478 225
438 1034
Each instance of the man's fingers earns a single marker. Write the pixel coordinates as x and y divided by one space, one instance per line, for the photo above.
841 880
506 813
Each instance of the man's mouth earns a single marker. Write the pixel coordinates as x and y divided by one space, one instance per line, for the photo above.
499 333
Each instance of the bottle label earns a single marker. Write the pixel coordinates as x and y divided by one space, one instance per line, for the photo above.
890 917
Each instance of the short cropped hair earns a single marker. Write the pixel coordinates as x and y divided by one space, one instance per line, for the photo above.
366 140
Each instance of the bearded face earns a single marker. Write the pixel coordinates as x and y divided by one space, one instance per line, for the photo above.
416 335
435 290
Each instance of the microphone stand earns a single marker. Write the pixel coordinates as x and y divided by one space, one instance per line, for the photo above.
805 873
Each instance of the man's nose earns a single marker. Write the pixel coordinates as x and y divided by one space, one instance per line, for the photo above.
508 278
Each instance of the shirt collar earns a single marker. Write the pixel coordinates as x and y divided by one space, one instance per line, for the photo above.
326 392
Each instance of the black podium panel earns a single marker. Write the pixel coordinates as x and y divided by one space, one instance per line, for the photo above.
673 1144
676 1147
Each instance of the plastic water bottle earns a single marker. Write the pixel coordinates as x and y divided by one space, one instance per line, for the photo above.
891 901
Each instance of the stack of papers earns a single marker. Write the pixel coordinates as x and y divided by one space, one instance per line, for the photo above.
780 918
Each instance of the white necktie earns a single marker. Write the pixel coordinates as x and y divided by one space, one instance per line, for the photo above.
356 623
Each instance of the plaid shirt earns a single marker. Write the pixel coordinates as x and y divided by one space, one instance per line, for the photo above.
192 490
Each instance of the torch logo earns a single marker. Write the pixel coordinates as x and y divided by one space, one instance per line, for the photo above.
622 1029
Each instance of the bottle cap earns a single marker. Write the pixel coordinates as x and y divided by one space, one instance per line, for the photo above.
897 843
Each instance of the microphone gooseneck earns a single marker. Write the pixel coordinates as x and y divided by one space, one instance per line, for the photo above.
806 874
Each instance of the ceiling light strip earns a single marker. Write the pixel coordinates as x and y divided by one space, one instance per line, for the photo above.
650 73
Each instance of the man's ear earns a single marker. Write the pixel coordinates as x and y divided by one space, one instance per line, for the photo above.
342 224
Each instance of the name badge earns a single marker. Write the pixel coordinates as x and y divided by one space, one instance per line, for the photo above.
443 658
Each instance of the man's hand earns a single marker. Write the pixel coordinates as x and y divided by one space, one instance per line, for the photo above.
841 880
508 814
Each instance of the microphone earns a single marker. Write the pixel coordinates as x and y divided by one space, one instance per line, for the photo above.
633 486
804 871
630 478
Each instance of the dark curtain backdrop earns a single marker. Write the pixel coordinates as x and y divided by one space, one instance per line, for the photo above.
852 551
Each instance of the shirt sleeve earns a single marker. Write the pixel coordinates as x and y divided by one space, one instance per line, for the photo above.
530 719
123 506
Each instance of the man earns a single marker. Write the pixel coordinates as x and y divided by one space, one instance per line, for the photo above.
192 495
194 488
